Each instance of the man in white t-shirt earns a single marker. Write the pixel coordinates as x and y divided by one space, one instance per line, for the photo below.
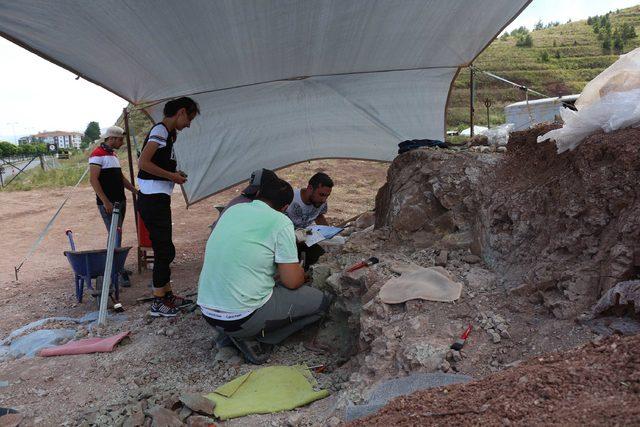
108 181
309 206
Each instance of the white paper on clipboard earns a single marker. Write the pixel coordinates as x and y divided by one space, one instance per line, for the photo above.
318 233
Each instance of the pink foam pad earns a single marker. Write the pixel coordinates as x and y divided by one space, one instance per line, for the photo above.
85 346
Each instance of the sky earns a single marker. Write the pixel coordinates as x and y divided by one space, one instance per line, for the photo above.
563 10
36 95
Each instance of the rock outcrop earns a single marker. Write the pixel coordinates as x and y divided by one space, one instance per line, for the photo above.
565 227
432 194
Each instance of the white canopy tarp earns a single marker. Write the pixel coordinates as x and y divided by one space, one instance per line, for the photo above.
278 81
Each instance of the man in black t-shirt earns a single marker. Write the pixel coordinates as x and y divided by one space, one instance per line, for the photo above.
107 179
157 176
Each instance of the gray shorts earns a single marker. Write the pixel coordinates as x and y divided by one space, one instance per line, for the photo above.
286 312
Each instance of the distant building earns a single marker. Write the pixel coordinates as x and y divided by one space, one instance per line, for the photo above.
30 139
524 115
60 139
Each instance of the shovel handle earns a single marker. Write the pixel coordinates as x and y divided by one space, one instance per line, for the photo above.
69 234
356 266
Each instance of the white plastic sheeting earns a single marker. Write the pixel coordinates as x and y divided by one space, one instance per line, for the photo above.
280 81
499 135
610 101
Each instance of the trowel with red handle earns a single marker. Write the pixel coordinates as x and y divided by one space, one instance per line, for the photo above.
460 341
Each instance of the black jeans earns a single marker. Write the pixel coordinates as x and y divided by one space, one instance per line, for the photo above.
155 211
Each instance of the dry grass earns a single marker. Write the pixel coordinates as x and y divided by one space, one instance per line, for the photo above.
67 174
581 58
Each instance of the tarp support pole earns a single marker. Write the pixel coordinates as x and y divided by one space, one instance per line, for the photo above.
108 268
132 177
471 98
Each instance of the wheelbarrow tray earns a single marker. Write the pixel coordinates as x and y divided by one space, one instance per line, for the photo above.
89 265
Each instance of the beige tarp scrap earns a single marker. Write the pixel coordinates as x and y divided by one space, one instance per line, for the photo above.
431 284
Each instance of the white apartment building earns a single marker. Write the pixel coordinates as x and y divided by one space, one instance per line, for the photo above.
61 139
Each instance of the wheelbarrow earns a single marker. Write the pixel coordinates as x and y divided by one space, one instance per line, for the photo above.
89 265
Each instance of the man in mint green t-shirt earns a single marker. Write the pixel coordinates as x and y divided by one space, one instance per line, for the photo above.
237 292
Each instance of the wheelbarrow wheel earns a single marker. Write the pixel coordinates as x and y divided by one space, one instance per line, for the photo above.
97 293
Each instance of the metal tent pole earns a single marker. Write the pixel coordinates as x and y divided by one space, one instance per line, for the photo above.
471 98
130 157
106 280
127 129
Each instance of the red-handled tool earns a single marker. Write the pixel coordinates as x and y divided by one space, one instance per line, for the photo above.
463 338
364 263
318 368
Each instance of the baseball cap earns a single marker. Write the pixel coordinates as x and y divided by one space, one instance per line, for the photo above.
258 178
116 131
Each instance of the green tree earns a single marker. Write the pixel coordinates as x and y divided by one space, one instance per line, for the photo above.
604 20
618 44
606 43
92 132
539 25
628 31
520 31
41 148
24 150
7 149
524 41
544 56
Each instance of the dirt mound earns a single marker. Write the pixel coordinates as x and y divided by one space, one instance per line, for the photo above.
598 384
566 226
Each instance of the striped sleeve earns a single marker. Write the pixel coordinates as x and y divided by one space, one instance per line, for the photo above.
96 159
159 135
